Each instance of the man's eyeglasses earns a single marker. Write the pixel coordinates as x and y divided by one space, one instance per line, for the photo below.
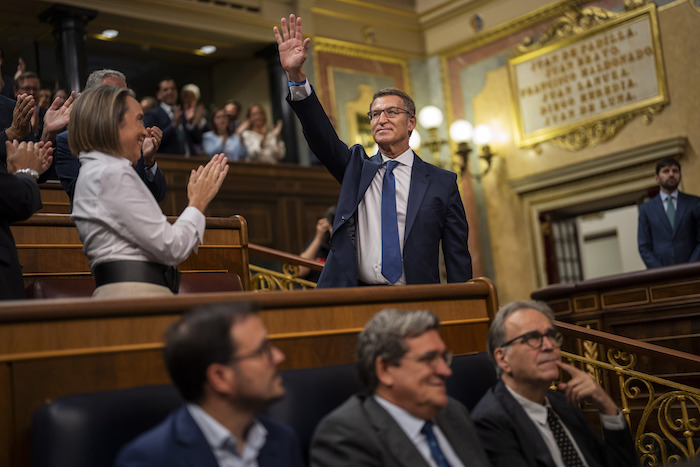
265 349
433 359
534 339
390 112
28 89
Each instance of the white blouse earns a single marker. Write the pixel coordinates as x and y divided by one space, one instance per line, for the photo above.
118 218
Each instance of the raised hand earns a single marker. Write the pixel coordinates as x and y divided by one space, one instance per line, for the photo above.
583 388
57 116
151 144
293 48
21 118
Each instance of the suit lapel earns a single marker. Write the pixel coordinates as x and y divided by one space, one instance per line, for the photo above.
196 450
420 179
532 442
660 213
369 170
392 436
680 211
454 430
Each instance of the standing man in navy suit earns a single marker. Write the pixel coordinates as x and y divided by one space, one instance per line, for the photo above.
394 210
224 365
669 224
522 422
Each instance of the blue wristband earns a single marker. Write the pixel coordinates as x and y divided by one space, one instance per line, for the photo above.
300 83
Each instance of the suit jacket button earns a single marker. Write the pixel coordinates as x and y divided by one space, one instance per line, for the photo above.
342 219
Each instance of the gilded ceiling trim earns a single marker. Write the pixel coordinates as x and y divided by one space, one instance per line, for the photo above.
443 12
322 44
372 6
376 21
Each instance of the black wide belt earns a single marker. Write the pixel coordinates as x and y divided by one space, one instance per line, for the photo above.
137 271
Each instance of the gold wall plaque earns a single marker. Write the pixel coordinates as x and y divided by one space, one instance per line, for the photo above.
589 75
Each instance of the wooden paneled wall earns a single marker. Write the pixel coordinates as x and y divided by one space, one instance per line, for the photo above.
51 348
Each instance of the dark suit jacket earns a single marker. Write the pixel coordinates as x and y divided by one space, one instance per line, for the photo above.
361 433
178 442
7 106
511 438
158 117
19 199
659 244
435 212
68 167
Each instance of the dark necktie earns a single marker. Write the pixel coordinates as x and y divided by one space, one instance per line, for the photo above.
670 211
567 449
435 450
391 251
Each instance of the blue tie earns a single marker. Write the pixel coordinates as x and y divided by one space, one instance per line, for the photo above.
391 251
435 450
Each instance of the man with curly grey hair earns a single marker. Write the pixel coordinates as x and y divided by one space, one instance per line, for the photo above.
404 416
522 422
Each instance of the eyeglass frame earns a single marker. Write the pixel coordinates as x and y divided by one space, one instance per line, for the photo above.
265 349
384 111
556 339
433 358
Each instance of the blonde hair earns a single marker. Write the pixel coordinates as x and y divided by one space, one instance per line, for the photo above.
95 118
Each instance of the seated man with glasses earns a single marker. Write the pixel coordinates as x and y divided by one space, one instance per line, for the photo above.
404 416
522 422
224 365
394 210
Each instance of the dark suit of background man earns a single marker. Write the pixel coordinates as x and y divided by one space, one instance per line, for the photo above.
429 209
68 165
522 422
660 242
19 199
404 417
168 116
222 362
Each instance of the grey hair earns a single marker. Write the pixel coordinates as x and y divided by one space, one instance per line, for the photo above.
96 77
384 337
497 331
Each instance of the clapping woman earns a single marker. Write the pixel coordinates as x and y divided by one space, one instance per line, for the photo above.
132 248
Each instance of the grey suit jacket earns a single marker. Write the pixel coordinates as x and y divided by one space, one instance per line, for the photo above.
361 433
511 438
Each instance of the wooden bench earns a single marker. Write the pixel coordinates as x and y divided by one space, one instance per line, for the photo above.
48 246
52 348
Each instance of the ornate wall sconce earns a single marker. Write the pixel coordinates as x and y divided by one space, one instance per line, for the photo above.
462 133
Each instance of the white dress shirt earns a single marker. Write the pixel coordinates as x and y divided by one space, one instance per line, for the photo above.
412 427
118 218
224 445
538 415
369 220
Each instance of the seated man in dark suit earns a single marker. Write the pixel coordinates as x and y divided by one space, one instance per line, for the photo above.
404 417
222 362
522 422
68 165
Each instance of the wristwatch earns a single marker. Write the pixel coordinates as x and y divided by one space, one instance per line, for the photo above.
28 171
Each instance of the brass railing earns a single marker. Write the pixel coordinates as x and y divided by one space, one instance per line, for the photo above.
267 280
663 414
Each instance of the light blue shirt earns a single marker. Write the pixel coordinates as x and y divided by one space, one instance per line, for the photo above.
412 426
224 445
674 198
233 148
